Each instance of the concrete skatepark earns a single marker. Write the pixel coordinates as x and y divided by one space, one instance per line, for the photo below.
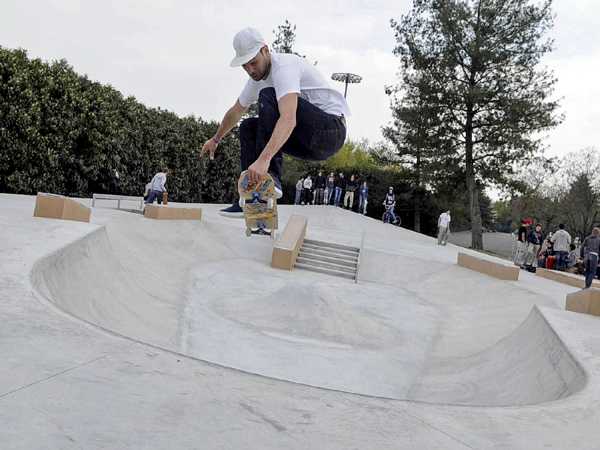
132 333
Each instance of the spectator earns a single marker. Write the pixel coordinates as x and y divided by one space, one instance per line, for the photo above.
589 253
572 259
307 197
340 186
363 197
157 187
561 240
519 258
534 244
444 227
320 188
299 187
350 189
330 189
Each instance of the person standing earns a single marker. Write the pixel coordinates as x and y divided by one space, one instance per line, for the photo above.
561 240
589 252
330 189
157 187
320 188
444 227
307 190
534 244
299 187
521 249
363 196
340 186
350 189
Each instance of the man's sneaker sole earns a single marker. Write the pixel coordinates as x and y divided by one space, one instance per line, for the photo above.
232 215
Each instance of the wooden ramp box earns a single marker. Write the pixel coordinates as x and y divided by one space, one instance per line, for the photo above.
287 247
54 206
172 213
565 277
586 301
491 268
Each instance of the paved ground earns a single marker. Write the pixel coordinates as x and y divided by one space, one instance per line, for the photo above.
498 243
132 333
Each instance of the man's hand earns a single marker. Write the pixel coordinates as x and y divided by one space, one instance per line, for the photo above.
209 147
258 169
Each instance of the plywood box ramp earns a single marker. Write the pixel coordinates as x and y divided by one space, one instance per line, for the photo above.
564 277
54 206
491 268
287 247
586 301
172 213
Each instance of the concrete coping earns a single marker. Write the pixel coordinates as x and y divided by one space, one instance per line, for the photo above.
564 277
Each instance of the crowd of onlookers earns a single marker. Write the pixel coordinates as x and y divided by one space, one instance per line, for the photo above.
557 250
337 190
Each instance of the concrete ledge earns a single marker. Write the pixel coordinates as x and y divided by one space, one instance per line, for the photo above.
53 206
491 268
172 213
565 278
287 247
586 301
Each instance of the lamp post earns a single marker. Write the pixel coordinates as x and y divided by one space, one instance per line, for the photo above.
346 78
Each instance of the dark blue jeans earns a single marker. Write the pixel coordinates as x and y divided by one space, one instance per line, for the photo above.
561 260
591 264
154 195
316 137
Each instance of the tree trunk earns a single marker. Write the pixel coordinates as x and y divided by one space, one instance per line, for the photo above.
417 226
476 237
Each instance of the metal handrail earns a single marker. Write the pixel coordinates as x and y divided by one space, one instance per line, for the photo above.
362 244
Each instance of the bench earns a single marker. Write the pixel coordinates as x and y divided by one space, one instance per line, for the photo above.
287 247
118 199
491 268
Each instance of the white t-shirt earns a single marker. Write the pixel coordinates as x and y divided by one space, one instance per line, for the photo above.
158 182
444 220
307 183
291 73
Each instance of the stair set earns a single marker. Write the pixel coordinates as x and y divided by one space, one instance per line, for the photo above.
332 259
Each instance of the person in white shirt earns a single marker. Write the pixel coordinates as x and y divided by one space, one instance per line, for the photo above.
307 192
157 187
444 227
299 113
561 240
299 187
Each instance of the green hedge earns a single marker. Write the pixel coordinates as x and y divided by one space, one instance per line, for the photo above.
62 133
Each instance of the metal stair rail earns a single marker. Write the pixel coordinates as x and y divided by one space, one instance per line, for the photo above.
329 258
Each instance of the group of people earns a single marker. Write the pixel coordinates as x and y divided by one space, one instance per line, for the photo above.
333 190
558 250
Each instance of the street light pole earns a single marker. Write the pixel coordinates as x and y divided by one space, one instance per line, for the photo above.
346 78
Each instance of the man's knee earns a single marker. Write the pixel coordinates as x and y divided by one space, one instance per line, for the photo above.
267 102
248 127
267 95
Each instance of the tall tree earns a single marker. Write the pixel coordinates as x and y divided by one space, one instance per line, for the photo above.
285 37
480 59
413 132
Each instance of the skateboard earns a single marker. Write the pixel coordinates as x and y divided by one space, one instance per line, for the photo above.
259 205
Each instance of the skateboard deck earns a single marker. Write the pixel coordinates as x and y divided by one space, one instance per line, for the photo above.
259 205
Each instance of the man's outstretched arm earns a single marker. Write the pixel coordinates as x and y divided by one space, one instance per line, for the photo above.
231 118
286 123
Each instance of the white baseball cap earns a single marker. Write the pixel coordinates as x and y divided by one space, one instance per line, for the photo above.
246 43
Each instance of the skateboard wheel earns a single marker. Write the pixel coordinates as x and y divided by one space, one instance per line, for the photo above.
270 203
242 202
248 232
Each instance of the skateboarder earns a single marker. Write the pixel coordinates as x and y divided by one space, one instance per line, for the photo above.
298 112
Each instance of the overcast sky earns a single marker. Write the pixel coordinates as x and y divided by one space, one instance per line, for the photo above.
175 54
